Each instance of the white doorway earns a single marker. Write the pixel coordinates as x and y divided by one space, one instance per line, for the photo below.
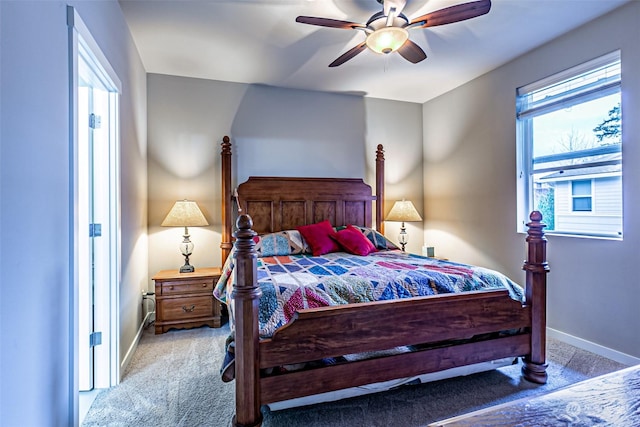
96 213
96 219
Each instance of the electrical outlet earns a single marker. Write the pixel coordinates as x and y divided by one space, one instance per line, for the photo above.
428 251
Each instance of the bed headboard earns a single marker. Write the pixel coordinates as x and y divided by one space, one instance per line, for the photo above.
276 203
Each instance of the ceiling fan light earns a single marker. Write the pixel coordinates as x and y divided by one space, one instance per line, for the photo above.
387 39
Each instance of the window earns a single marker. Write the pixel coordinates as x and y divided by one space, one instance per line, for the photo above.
569 146
581 196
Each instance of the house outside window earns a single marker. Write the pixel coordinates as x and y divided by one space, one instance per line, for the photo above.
569 148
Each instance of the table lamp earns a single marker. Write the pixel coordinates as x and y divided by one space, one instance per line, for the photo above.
403 211
185 213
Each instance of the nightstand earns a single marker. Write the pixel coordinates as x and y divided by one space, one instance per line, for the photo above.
185 300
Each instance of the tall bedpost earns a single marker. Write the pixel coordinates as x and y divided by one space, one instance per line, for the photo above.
246 295
380 189
225 166
536 267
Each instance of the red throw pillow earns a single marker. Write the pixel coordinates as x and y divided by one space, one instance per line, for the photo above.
354 241
318 237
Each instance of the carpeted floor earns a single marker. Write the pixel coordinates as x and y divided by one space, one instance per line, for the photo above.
173 380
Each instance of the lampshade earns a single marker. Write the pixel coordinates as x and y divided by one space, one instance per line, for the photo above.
185 213
403 211
387 39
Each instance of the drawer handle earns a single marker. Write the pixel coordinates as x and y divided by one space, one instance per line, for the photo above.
188 310
204 285
170 288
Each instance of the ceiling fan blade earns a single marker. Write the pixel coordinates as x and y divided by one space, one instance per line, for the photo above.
452 14
348 54
412 52
326 22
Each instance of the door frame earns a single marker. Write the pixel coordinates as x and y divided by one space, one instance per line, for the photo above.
82 43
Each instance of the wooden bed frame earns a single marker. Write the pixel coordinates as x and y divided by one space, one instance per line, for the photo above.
283 203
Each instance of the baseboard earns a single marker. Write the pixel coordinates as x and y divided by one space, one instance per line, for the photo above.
133 346
593 347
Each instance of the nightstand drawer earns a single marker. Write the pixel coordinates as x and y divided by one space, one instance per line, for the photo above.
187 287
185 308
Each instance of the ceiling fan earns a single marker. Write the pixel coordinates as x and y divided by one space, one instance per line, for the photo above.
387 30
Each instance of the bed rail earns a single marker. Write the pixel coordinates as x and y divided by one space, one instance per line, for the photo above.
405 365
383 325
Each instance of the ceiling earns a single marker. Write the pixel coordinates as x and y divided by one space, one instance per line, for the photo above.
258 41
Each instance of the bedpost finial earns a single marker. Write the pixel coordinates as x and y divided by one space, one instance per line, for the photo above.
535 216
380 152
535 226
536 243
244 222
226 145
244 244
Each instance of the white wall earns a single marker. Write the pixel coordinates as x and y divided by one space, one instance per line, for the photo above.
398 127
470 186
274 132
301 133
187 119
37 385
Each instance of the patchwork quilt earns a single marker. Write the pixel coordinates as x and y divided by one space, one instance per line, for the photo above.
297 281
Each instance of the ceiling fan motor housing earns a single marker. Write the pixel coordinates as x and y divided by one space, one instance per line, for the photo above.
379 20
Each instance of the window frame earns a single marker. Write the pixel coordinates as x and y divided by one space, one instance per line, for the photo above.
526 111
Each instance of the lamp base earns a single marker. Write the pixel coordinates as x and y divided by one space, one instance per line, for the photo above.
187 269
402 237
